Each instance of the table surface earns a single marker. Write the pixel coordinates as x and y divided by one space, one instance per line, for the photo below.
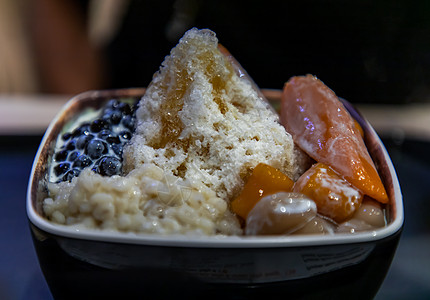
21 277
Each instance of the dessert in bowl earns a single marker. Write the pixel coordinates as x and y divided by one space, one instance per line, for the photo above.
169 206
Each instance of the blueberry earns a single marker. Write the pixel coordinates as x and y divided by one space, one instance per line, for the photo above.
112 116
129 122
112 103
98 124
82 161
96 148
71 145
61 168
124 108
66 136
84 129
113 140
117 148
105 133
116 117
61 155
73 156
82 141
109 136
108 166
70 174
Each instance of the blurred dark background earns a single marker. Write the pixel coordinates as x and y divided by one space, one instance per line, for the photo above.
367 51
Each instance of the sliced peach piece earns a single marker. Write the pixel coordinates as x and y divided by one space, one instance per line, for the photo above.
264 180
323 128
359 128
335 197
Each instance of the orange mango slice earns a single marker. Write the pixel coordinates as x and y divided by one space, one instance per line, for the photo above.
335 197
264 180
323 128
359 128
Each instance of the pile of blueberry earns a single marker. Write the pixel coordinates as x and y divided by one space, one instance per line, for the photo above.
97 144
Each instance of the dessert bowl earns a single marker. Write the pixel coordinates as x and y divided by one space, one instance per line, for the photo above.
86 263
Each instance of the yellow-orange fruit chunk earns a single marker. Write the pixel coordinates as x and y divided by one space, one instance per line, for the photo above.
335 197
264 180
359 128
323 128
